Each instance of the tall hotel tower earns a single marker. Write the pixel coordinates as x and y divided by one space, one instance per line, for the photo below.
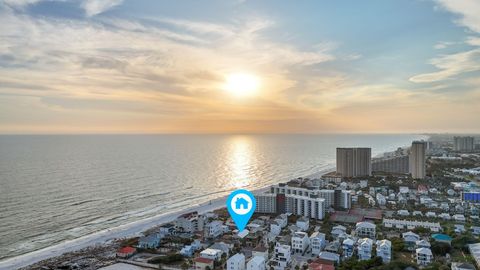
417 159
354 162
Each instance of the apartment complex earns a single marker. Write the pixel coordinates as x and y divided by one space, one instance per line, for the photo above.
354 162
300 197
417 165
463 143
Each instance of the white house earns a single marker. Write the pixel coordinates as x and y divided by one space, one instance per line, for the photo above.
431 214
210 253
459 217
384 250
303 223
282 220
365 229
275 228
403 213
214 229
348 247
444 216
424 256
338 230
364 248
417 213
236 262
256 263
410 239
300 242
282 256
317 242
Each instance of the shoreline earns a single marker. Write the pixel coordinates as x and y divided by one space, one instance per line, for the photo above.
132 229
107 236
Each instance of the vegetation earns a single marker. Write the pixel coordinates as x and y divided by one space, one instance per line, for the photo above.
168 259
440 248
354 264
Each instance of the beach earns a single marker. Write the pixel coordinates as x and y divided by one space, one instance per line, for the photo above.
104 237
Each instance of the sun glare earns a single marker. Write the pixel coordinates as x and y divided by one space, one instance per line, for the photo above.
242 84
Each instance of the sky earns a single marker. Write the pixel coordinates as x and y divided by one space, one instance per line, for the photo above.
113 66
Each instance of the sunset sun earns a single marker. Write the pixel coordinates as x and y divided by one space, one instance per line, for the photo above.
242 84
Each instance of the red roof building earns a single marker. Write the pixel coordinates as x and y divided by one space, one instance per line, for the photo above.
126 252
320 266
202 263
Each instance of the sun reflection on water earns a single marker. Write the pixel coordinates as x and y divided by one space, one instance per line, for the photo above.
240 161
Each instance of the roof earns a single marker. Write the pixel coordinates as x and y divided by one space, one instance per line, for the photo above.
329 256
127 250
320 266
366 224
426 251
203 260
211 251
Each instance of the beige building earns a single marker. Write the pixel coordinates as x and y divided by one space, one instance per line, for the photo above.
417 159
354 162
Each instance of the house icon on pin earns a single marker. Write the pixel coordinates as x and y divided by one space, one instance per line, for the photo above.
241 203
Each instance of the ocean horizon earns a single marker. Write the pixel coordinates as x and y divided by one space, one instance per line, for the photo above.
64 187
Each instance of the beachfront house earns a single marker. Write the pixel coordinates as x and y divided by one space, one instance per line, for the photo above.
151 241
126 252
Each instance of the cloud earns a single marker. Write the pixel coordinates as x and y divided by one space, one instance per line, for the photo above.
450 66
94 7
468 11
443 45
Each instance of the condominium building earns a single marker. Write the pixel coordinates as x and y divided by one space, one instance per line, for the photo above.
396 164
236 262
384 250
301 198
417 165
464 143
411 224
354 162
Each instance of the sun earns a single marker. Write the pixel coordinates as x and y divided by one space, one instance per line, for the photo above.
242 84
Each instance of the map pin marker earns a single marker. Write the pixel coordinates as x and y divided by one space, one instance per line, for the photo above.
241 204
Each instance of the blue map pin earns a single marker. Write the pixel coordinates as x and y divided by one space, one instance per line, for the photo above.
241 204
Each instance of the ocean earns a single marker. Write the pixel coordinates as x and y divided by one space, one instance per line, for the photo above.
55 188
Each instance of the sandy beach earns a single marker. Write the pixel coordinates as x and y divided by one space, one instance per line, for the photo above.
128 230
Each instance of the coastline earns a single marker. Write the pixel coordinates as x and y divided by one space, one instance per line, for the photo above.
106 236
132 229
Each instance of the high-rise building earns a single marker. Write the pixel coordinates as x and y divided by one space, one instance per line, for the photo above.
464 143
417 158
354 162
397 164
